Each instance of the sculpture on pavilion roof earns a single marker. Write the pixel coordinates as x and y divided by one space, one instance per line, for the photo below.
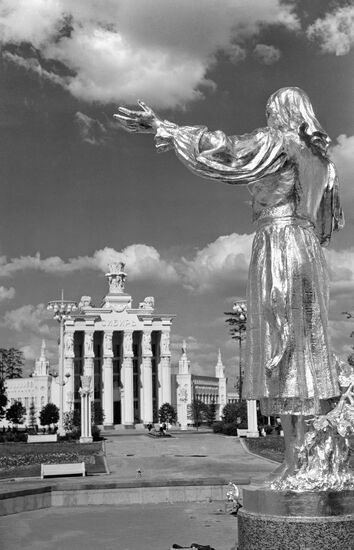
116 278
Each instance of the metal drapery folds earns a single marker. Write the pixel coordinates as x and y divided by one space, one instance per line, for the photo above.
323 458
296 207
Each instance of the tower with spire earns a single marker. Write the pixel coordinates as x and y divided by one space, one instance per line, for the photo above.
184 388
42 364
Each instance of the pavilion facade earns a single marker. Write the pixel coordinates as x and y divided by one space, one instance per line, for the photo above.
125 350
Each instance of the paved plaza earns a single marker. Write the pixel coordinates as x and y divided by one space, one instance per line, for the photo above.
139 527
185 456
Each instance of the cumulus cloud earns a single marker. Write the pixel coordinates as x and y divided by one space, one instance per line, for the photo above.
117 51
6 293
219 264
143 262
267 54
91 130
30 324
28 318
236 53
342 154
334 31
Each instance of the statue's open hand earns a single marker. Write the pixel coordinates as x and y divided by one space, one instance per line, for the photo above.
144 121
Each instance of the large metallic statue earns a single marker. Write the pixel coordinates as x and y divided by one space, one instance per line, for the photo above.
295 202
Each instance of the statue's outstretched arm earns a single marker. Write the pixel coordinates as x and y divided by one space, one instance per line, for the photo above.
230 159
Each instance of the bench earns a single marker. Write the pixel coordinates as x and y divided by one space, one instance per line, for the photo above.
56 470
42 438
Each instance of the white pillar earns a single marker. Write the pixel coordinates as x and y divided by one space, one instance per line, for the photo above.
146 378
107 379
252 429
70 384
89 356
86 392
127 394
165 362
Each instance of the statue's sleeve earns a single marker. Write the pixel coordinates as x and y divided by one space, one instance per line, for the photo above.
330 213
230 159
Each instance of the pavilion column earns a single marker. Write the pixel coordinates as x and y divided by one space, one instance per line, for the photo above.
86 393
165 362
69 369
107 379
146 378
127 395
89 356
252 424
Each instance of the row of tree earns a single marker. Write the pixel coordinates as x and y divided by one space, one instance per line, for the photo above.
16 413
201 413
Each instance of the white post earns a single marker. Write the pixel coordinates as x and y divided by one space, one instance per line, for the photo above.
89 356
165 380
252 429
146 366
70 383
107 378
68 369
85 392
127 381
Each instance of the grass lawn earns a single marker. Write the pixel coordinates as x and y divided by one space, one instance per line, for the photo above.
272 447
24 459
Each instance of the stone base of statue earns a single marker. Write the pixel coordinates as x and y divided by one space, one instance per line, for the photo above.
278 520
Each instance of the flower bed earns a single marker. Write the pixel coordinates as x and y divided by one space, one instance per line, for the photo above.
17 459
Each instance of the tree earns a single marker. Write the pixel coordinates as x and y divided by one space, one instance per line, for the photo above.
199 410
16 413
32 417
235 412
167 413
72 420
11 363
211 413
237 321
97 414
49 414
3 398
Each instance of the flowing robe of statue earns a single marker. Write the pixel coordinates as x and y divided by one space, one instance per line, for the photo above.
295 202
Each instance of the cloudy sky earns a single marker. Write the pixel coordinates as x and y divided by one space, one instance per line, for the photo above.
78 192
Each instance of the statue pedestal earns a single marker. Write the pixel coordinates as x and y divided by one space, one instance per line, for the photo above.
272 520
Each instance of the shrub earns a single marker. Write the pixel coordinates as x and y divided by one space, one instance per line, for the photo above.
167 413
49 414
268 429
97 414
16 413
229 428
13 437
96 433
217 427
232 412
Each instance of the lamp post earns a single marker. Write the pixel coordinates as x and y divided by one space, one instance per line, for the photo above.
237 323
61 311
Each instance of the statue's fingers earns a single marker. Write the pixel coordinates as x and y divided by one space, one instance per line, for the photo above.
128 112
144 106
126 123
